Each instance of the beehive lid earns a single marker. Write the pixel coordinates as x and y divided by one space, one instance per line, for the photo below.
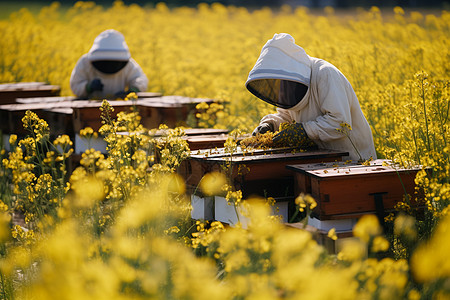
20 85
340 169
148 94
220 155
45 99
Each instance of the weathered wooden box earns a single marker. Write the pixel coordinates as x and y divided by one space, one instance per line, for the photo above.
9 92
345 191
86 113
56 111
172 110
199 138
207 141
260 172
154 110
58 117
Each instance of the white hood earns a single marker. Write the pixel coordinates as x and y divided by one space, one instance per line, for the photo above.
280 60
109 45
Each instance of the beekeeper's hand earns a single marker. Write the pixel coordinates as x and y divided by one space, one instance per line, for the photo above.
293 135
121 94
262 128
94 85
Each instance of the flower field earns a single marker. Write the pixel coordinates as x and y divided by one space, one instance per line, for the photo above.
119 226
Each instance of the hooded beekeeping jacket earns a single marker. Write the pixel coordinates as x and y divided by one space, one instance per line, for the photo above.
108 45
329 100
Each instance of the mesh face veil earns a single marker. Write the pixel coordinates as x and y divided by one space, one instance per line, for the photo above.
109 66
279 92
282 73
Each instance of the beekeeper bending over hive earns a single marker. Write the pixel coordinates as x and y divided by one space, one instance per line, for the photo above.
107 70
313 96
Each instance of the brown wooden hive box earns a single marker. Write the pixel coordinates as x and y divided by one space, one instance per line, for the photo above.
351 190
9 92
153 108
208 138
260 172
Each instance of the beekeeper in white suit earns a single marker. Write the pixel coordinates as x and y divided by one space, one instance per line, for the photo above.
107 70
312 95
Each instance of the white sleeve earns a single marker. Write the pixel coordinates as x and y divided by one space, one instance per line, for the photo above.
281 116
334 92
79 78
136 77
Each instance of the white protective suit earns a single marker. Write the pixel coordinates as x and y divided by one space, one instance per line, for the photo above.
108 45
329 101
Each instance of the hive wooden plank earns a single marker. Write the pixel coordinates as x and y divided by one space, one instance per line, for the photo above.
11 91
59 120
154 109
254 172
197 142
148 94
204 131
18 85
45 99
344 190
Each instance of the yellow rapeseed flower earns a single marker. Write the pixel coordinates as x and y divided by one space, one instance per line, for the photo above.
367 228
212 183
332 234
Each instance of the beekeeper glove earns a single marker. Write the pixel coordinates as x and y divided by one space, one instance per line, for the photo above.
262 128
121 94
133 89
94 85
293 135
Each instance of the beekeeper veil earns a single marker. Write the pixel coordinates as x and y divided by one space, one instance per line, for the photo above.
109 53
282 73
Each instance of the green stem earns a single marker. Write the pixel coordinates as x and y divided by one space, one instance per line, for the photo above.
425 114
360 157
403 186
294 216
3 287
236 211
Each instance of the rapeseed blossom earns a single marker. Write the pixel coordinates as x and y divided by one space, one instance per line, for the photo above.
212 183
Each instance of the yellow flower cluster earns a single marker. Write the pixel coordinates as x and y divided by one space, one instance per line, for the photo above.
210 115
305 202
88 133
260 140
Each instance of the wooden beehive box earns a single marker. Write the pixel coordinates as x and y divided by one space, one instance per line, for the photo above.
41 100
201 138
345 191
207 140
59 119
56 111
86 113
9 92
153 112
12 114
172 111
261 172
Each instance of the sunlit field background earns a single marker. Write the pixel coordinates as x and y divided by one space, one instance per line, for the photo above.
115 228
